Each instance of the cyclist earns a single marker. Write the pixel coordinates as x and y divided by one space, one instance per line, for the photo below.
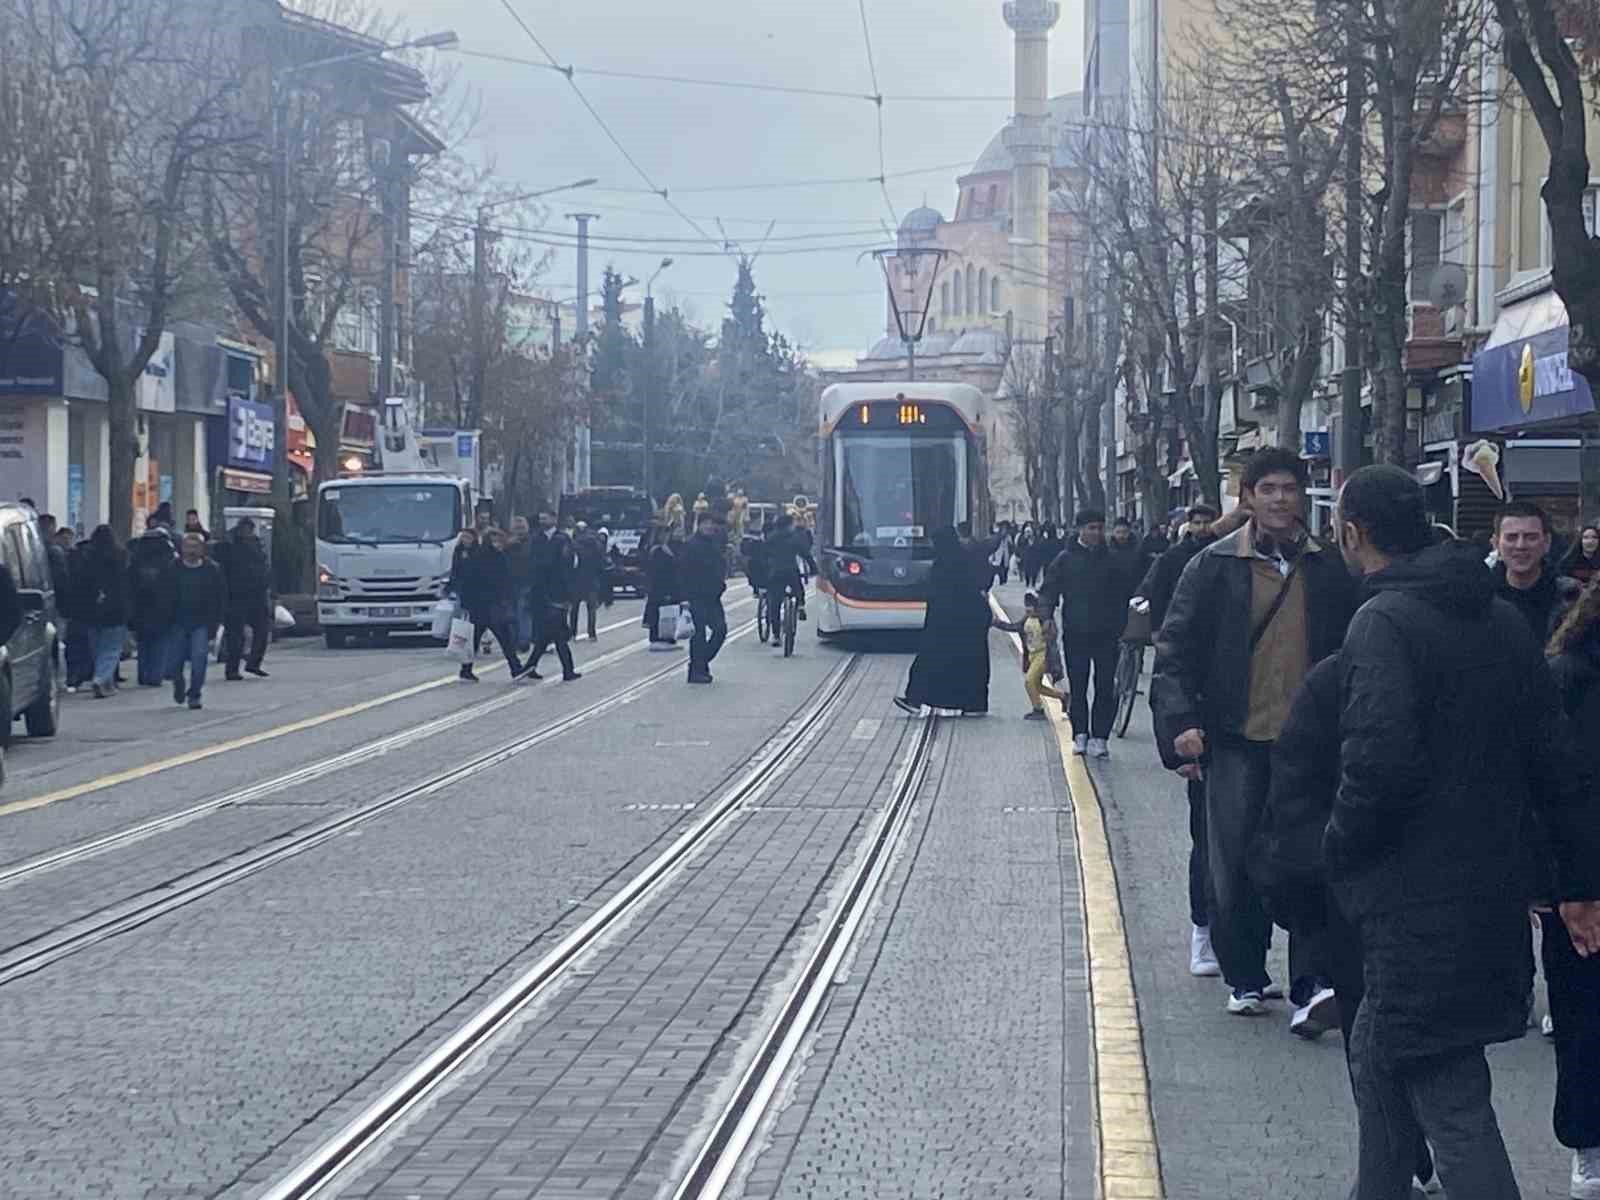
786 558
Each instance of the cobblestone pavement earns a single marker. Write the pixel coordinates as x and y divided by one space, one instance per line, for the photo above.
1242 1108
953 1057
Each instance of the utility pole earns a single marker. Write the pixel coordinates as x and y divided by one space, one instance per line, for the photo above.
650 379
387 176
1348 451
582 461
480 287
280 339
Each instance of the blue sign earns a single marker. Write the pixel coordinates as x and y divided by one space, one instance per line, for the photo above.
1527 382
464 445
1317 444
250 434
31 358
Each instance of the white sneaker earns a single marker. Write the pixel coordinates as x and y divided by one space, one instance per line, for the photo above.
1080 743
1202 958
1318 1015
1586 1174
1098 748
1548 1026
1246 1002
1432 1188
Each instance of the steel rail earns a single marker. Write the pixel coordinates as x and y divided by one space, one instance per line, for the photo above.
326 1163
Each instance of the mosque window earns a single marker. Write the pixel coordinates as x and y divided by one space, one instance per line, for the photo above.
944 298
994 294
983 288
972 291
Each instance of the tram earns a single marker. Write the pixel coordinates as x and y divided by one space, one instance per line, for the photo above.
900 461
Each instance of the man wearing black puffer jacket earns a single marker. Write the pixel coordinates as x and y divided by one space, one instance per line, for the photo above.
1092 584
1452 755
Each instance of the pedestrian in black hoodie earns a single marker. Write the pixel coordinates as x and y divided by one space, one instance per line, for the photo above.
150 589
1571 965
102 587
244 561
1092 585
1452 755
703 581
488 593
550 595
199 604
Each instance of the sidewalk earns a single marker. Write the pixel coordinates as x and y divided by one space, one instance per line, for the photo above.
1243 1108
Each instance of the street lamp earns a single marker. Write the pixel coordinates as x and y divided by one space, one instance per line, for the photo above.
445 39
650 374
480 288
912 320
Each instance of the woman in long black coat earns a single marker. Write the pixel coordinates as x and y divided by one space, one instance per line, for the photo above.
951 670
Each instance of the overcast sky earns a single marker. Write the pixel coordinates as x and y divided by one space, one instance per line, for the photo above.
687 137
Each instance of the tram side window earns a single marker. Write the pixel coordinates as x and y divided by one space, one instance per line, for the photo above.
895 492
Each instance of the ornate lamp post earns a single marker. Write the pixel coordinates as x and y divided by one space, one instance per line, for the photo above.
911 318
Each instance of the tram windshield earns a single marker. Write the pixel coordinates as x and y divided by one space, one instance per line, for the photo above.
894 492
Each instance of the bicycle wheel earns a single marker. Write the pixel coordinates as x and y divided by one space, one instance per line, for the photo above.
762 632
1127 685
791 622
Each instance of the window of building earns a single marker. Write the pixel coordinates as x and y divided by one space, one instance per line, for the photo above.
983 287
989 202
972 291
944 298
1425 235
994 294
1591 222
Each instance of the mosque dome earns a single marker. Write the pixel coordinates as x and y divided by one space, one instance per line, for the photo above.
1065 123
920 223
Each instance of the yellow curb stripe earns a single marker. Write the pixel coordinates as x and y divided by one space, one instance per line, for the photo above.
1129 1163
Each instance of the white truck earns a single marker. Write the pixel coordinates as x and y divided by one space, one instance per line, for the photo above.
386 537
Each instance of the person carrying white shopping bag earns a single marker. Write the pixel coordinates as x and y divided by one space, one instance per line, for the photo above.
661 606
484 581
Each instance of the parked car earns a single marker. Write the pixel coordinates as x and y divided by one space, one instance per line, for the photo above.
30 683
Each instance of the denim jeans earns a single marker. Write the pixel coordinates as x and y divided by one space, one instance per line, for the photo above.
155 651
108 641
192 648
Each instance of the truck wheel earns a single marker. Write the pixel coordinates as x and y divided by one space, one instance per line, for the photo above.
43 716
334 639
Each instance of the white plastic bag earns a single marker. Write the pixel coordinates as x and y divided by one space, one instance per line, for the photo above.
444 613
460 648
282 619
685 628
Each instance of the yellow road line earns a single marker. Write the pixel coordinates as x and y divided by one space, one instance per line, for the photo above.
1129 1166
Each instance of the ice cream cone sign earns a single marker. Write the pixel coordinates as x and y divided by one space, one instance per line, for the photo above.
1482 458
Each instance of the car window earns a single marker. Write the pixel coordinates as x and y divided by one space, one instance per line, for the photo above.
11 554
35 563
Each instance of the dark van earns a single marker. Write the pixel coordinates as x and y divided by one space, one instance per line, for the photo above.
29 686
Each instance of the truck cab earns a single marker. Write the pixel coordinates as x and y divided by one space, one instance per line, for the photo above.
626 514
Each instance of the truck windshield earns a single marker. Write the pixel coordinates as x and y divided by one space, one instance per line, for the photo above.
390 512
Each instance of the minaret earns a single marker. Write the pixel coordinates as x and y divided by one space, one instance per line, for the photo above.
1029 143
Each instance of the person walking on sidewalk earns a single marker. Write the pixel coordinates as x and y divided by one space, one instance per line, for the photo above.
519 554
244 562
552 563
1523 575
588 577
1571 957
703 582
951 670
663 588
1092 584
150 580
1249 616
199 603
1156 589
1452 752
487 590
102 585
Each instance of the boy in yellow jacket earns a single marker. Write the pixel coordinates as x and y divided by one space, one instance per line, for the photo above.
1038 634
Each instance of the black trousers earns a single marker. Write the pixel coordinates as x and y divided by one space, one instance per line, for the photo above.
1236 794
710 631
592 599
505 633
1199 862
552 629
1574 985
260 622
779 586
1445 1098
1084 654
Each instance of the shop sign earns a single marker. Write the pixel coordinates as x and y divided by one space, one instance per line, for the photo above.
1527 381
157 388
250 434
247 481
30 350
1317 444
13 436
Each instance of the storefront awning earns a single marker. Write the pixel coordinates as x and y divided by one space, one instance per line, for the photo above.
1520 377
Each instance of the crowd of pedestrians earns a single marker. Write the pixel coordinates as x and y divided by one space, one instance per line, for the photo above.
1385 743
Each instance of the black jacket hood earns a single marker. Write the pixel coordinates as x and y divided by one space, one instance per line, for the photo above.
1450 577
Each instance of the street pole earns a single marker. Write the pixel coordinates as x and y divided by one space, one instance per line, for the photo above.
480 267
1349 447
386 322
582 462
911 360
280 340
649 388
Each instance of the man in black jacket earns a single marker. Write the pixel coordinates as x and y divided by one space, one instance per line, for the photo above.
701 576
783 555
551 567
244 562
1524 575
199 603
1452 752
588 577
1251 613
1156 590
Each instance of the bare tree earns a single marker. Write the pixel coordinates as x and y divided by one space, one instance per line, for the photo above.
102 207
1535 39
1416 51
1034 413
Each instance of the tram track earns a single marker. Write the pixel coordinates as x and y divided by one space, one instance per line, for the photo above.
365 1137
330 1162
36 953
77 852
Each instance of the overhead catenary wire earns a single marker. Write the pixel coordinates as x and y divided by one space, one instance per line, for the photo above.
604 127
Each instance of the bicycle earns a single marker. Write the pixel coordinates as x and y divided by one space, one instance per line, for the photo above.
791 621
763 626
1130 666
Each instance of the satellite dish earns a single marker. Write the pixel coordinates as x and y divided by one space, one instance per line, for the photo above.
1445 285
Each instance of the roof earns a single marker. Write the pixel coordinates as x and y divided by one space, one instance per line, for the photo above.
920 220
1064 122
